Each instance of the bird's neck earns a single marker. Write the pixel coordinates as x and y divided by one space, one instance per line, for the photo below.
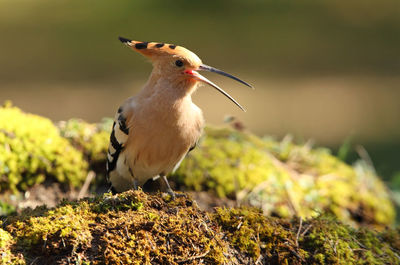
169 88
168 100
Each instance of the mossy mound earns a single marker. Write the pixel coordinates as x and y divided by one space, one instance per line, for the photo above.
281 178
131 228
285 179
316 241
137 228
31 150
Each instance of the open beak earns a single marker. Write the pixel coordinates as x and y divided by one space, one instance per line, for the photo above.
204 67
201 78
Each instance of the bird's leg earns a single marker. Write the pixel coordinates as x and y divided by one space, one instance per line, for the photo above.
135 184
169 190
112 190
135 181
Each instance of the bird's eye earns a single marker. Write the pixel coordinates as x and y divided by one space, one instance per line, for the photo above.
179 63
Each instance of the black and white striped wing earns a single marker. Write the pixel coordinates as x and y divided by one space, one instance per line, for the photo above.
115 159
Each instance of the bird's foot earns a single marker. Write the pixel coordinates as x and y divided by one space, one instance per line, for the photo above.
171 195
170 191
175 195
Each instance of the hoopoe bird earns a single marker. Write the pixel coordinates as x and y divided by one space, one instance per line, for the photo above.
155 129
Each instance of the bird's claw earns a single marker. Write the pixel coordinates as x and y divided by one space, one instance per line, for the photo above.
175 195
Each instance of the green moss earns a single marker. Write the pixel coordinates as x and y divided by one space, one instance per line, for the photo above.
281 178
32 150
341 244
315 241
229 167
91 139
131 228
137 228
6 255
250 231
62 229
285 179
6 209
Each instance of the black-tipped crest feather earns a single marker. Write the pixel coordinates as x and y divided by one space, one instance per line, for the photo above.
124 40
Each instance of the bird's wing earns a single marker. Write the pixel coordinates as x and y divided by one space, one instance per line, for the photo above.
118 138
183 157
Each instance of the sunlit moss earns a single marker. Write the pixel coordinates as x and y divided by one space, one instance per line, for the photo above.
91 139
65 228
6 208
130 228
137 228
32 150
6 256
279 177
316 241
284 178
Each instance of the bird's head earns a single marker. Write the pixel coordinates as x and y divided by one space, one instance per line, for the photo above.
178 64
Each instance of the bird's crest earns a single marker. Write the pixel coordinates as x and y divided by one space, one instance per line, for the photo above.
157 48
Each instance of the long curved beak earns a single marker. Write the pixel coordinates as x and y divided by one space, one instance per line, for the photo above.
201 78
208 68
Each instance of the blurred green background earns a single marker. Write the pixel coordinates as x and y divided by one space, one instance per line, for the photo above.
325 70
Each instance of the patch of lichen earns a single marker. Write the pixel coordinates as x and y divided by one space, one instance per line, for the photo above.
129 228
285 179
315 241
32 150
